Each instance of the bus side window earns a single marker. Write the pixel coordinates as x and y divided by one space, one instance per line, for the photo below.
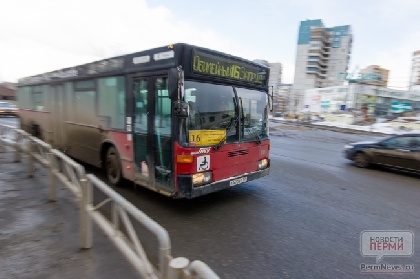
85 93
38 102
112 101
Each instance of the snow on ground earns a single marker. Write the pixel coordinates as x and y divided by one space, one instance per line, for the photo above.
384 127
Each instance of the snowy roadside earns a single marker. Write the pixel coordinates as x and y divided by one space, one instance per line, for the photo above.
388 128
383 128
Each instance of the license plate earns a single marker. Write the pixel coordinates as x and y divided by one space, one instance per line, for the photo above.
238 181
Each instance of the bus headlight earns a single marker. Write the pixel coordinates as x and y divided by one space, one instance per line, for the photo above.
262 164
201 178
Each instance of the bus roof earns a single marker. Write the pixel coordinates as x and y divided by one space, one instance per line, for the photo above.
160 58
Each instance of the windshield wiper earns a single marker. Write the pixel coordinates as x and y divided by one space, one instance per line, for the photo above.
232 123
258 138
256 134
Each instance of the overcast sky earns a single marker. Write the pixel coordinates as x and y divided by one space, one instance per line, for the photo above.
38 36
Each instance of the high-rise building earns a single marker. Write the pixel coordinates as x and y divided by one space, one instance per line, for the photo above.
322 56
415 71
283 102
374 75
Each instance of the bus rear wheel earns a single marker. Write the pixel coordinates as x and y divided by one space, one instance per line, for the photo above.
113 167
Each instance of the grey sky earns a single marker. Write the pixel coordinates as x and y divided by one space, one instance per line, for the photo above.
45 35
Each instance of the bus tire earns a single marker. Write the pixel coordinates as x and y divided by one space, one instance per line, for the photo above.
112 167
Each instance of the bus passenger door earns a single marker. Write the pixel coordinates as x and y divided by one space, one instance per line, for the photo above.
141 128
162 135
58 116
152 132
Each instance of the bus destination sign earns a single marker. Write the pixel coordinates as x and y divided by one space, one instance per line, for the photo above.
215 65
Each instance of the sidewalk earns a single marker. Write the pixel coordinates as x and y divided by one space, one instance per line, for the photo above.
40 239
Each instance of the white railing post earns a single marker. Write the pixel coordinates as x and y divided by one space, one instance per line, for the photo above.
164 259
2 145
17 147
85 220
115 219
52 192
177 267
30 158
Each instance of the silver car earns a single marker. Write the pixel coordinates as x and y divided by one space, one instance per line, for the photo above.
7 109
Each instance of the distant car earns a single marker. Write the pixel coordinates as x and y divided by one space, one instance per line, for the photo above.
402 151
8 109
390 117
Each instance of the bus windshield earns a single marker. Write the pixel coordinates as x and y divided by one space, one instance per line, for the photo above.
234 114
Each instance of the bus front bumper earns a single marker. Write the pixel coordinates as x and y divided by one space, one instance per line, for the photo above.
186 189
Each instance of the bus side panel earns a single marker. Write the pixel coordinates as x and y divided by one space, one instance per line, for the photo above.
124 144
36 123
84 142
24 120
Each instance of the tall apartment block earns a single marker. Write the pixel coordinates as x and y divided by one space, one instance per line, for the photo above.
415 71
322 56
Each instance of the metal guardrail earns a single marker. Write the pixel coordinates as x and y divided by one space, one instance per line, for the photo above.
128 244
9 136
73 176
70 173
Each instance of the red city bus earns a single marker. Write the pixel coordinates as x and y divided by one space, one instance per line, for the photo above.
181 120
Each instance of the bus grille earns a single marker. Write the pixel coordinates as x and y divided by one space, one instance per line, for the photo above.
237 153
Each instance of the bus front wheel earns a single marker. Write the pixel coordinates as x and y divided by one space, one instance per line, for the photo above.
113 166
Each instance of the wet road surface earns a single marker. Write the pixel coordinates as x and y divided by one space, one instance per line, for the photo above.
302 221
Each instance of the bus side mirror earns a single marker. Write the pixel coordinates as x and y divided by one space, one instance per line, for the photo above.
181 109
173 83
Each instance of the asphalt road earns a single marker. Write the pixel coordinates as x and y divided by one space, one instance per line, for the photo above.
302 221
12 121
